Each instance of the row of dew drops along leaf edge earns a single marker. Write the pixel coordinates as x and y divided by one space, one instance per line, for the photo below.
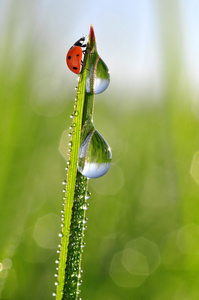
76 245
83 207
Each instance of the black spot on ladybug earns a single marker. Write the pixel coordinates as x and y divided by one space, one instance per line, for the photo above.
74 68
69 57
77 54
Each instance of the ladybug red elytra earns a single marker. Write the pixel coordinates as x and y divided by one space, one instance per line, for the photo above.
74 56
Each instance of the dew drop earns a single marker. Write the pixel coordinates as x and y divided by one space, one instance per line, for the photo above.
94 156
76 113
85 207
88 195
101 77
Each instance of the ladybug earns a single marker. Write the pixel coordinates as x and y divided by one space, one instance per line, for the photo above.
74 56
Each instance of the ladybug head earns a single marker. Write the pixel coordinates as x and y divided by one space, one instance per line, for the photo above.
80 42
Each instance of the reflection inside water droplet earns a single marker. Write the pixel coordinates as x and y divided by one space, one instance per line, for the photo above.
98 78
94 155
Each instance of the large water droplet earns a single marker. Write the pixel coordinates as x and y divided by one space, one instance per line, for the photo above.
98 78
94 155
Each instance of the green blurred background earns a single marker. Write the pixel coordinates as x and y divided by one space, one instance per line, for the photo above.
142 240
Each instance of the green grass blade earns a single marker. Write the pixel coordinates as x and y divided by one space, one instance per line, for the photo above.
67 286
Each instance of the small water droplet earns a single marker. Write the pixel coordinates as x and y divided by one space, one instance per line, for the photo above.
100 75
84 206
94 156
56 283
88 195
54 294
